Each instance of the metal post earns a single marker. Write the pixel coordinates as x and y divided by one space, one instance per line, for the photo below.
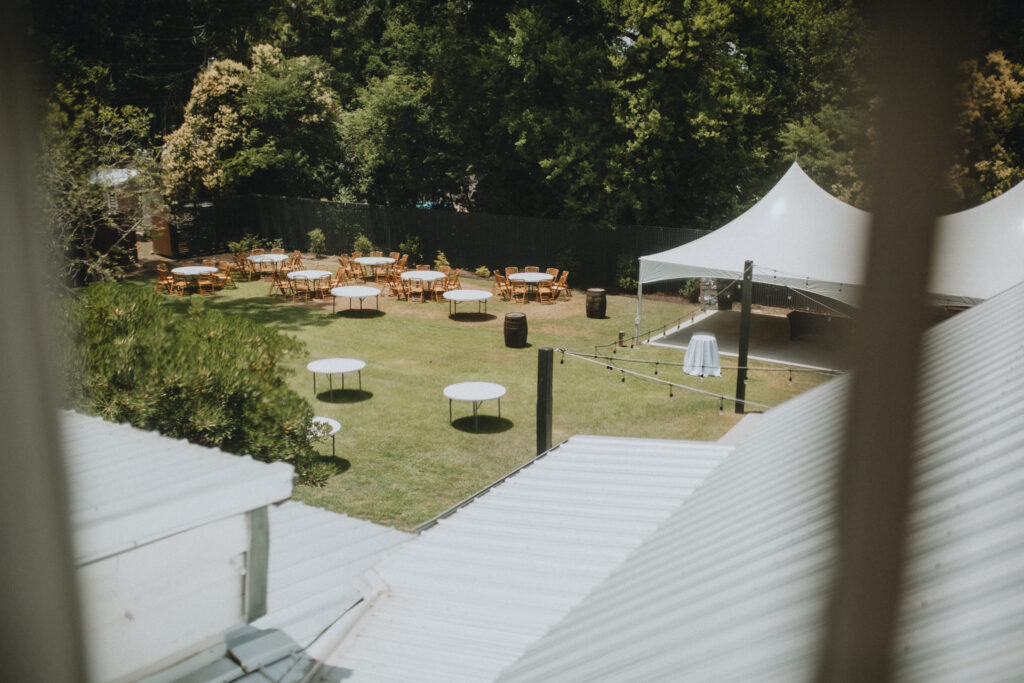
639 309
741 374
545 367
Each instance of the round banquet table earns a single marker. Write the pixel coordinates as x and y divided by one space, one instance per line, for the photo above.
477 393
268 258
332 428
701 357
454 296
336 366
355 292
194 271
372 262
531 280
425 276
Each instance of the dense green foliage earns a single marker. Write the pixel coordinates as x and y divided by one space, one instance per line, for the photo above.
611 112
210 378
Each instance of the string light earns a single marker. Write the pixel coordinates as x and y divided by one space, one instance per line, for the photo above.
721 406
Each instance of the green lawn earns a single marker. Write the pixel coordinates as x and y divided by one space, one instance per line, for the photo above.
400 462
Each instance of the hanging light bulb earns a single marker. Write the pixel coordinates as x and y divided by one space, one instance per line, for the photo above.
655 368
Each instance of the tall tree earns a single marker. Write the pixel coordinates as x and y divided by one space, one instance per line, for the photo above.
271 128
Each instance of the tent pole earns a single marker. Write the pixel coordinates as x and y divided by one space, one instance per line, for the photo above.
639 310
741 374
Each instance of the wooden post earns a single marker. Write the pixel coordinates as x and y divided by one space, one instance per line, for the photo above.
545 366
741 374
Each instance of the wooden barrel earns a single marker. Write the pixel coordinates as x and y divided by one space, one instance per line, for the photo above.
515 330
595 303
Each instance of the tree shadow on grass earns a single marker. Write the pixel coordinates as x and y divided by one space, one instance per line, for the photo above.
488 424
338 465
360 313
344 396
280 313
472 317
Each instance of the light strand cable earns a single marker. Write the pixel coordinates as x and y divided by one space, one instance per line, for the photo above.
658 380
822 371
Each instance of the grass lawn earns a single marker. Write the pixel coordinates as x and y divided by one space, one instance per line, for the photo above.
399 461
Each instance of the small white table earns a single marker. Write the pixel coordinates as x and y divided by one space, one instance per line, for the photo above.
194 271
456 295
332 428
372 262
477 393
273 259
701 357
424 276
336 366
313 276
531 279
355 292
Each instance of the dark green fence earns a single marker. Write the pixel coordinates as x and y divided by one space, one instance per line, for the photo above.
468 240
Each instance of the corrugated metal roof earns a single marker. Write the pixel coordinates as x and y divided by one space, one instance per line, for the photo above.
468 596
733 586
129 487
315 557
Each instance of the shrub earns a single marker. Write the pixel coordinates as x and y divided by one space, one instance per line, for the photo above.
314 472
690 290
440 261
483 271
250 241
363 243
213 379
413 247
317 242
626 272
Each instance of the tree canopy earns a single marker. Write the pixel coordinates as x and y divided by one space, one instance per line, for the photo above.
609 112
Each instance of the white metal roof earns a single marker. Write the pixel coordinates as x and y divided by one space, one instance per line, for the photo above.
732 587
315 556
468 596
129 487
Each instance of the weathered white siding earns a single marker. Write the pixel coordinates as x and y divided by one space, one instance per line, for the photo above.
162 541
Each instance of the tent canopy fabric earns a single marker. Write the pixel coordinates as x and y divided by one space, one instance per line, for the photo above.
802 237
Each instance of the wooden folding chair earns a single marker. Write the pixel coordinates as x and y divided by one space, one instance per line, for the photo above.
531 269
283 285
562 286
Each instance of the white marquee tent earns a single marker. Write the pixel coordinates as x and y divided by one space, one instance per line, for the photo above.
800 236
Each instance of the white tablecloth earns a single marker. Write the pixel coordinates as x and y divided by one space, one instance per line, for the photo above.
701 357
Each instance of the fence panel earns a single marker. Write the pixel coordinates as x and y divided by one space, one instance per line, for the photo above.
467 239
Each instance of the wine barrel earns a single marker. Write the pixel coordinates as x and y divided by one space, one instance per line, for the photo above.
596 303
515 330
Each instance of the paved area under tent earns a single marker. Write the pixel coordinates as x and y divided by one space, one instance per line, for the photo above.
769 340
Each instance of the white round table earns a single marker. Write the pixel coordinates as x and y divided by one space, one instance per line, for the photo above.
194 271
701 357
355 292
273 259
424 276
372 262
308 274
314 276
336 366
531 279
456 295
331 427
477 393
268 258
